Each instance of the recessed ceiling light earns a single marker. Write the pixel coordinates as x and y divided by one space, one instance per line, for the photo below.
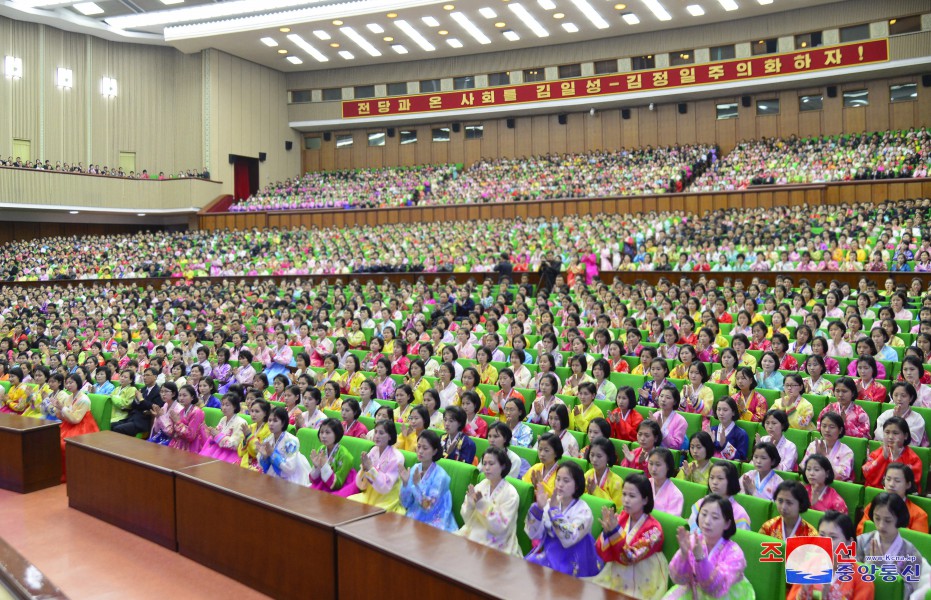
140 214
488 13
470 28
388 38
285 30
449 7
360 41
334 45
294 60
443 32
620 6
631 18
511 35
88 8
658 10
695 10
74 212
524 15
570 27
500 25
559 15
546 4
591 14
337 22
321 34
306 47
454 43
282 51
171 2
375 28
392 15
270 42
346 54
430 22
399 49
765 2
415 35
728 4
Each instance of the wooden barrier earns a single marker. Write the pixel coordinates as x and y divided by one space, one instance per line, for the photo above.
22 580
127 482
240 522
692 202
30 453
401 558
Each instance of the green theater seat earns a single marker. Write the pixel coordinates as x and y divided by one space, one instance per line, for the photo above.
767 578
461 476
101 408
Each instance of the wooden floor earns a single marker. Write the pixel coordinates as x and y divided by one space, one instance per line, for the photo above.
90 559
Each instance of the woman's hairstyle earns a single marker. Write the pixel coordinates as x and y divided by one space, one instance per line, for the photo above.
666 455
503 430
553 441
521 409
676 396
771 451
640 481
748 373
731 474
842 521
654 428
727 511
836 419
704 438
603 426
824 463
457 413
353 405
562 413
895 505
909 389
192 391
234 400
501 455
902 424
280 413
421 410
389 428
335 426
730 402
578 477
605 445
907 473
434 440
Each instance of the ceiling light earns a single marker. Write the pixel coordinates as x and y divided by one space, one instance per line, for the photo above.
282 51
765 2
334 45
321 35
546 4
399 49
392 15
524 15
511 35
454 43
695 10
488 13
449 7
501 25
630 18
658 10
64 78
360 41
470 28
303 45
620 6
346 54
337 22
559 15
388 38
804 44
728 4
430 22
13 67
285 30
375 28
140 214
87 8
443 32
171 2
108 87
590 13
270 42
294 60
570 27
892 21
74 212
415 35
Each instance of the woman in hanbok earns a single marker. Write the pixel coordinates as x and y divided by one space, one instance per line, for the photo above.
489 510
869 388
830 445
514 412
188 431
475 425
838 527
163 425
730 441
499 436
708 564
763 480
701 449
544 402
223 372
378 479
661 466
19 398
649 393
560 523
856 421
723 481
895 448
352 379
550 452
425 493
797 408
367 398
350 412
624 420
559 426
280 454
254 435
903 398
697 398
281 357
224 439
649 436
672 424
631 545
751 405
331 464
900 480
600 480
384 384
818 475
74 412
889 513
456 445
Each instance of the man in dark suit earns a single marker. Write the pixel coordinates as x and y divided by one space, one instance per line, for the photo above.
504 268
139 419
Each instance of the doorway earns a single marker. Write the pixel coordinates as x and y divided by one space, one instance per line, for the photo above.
245 176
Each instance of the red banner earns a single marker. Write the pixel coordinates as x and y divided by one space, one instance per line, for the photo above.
730 71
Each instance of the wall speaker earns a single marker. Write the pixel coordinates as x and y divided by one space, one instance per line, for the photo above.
511 123
683 108
288 145
625 113
832 91
926 80
391 132
262 156
232 159
563 119
746 101
456 127
327 136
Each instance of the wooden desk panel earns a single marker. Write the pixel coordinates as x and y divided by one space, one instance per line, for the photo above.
396 558
127 482
30 453
21 579
263 531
